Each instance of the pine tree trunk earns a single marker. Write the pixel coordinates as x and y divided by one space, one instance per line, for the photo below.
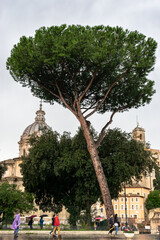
98 167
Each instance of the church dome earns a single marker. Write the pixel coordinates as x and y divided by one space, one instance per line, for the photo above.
38 125
35 128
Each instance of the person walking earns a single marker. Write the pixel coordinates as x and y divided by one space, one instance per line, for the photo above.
41 222
53 219
30 223
111 223
116 223
56 225
16 224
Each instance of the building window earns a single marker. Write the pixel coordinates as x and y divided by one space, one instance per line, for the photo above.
144 195
132 199
122 207
132 207
121 199
116 200
136 199
122 215
101 210
137 207
115 207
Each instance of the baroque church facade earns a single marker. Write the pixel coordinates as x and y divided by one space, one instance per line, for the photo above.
130 205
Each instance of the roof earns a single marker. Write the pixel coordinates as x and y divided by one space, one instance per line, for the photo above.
138 128
136 185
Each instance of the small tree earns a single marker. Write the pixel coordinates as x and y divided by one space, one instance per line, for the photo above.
12 200
153 200
39 170
156 181
3 168
87 70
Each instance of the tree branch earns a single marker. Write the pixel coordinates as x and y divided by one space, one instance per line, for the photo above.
47 89
90 83
87 109
103 132
104 98
74 82
65 103
70 101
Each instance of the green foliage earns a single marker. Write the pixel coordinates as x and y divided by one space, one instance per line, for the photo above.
153 200
123 160
3 168
65 58
39 172
156 181
12 200
59 171
74 215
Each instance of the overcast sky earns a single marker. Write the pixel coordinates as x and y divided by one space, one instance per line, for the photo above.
23 17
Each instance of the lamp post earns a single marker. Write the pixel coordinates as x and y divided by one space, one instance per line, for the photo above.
125 204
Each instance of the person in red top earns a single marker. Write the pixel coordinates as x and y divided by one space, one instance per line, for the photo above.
56 225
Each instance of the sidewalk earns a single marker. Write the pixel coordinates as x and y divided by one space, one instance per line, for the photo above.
68 234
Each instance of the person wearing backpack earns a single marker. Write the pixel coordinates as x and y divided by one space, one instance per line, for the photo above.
111 223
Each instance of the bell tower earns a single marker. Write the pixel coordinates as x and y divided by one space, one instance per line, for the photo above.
138 134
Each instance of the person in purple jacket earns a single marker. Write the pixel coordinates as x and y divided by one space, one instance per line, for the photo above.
16 223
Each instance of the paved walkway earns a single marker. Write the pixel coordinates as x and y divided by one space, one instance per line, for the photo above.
68 234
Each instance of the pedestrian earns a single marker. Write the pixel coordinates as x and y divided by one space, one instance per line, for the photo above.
111 229
41 222
30 223
53 219
56 225
116 223
95 225
122 227
16 224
